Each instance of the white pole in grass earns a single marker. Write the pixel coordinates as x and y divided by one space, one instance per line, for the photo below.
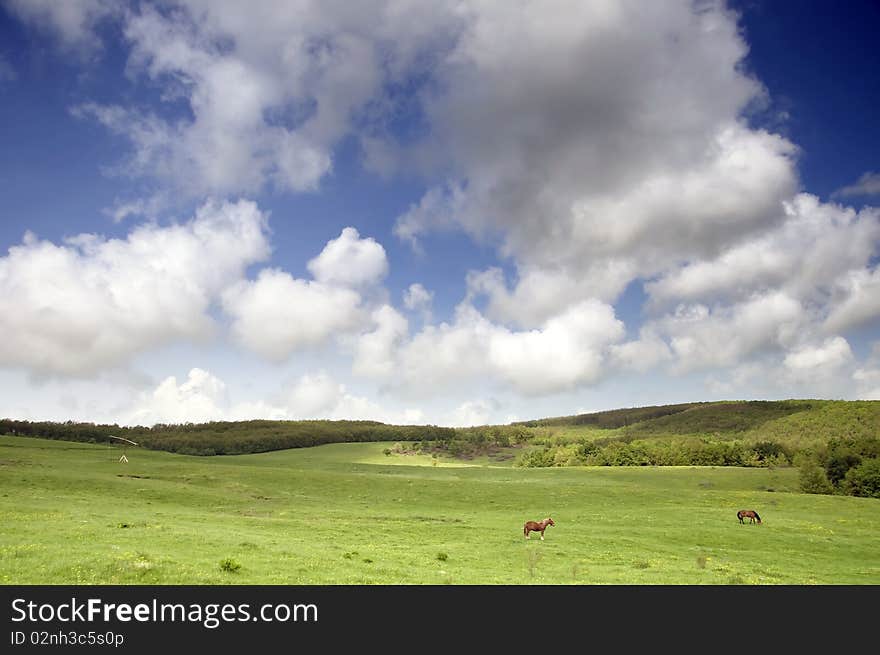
123 459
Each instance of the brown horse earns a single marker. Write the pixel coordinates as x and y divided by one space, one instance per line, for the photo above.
537 526
750 514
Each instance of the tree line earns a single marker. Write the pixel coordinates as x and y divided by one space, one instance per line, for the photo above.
228 437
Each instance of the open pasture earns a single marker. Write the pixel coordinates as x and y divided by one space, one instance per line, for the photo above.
71 513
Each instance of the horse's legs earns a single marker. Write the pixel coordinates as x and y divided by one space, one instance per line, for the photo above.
542 535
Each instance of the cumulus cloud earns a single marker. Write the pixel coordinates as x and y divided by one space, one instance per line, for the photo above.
857 296
417 298
566 352
313 396
271 89
200 398
621 153
702 337
807 279
816 247
440 355
867 376
91 303
621 150
350 261
204 397
868 380
591 143
472 413
318 396
642 354
755 376
542 292
867 185
375 350
277 314
822 359
623 120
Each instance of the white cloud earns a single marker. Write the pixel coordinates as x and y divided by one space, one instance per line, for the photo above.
472 413
201 398
229 145
867 376
819 360
313 396
641 354
751 379
441 355
417 298
859 293
621 151
436 210
868 380
72 21
350 261
204 397
621 154
271 88
569 350
277 314
318 396
867 185
701 337
815 247
92 303
375 350
621 130
155 143
566 352
542 292
805 279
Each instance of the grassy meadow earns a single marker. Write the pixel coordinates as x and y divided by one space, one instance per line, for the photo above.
71 513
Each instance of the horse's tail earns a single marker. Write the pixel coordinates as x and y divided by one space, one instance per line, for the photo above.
526 529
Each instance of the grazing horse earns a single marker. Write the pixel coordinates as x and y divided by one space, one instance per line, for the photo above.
750 514
537 526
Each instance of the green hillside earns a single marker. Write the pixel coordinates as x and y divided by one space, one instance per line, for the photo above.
795 423
835 444
614 418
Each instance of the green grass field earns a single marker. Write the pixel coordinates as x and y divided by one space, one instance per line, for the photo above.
71 513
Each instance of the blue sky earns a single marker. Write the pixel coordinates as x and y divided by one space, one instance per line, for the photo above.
432 212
